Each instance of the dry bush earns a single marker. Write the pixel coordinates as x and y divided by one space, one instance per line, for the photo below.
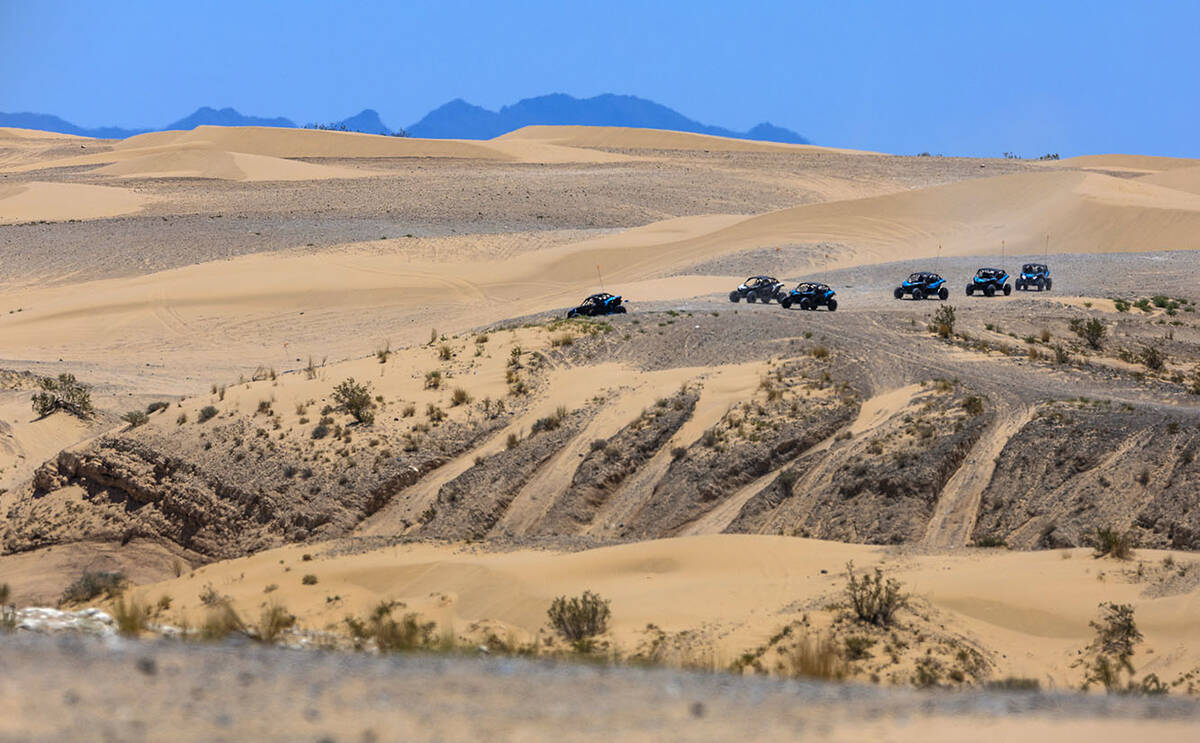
64 393
1111 652
874 599
132 616
579 619
943 321
272 623
383 353
408 411
207 413
814 658
1092 331
973 404
819 352
512 441
445 352
91 584
1152 358
390 635
220 622
1111 542
434 413
563 339
433 379
135 418
459 397
309 580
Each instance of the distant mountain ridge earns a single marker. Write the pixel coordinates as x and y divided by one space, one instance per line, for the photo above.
454 120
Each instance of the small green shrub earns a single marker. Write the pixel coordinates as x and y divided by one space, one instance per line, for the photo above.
943 321
207 413
355 398
1113 543
309 580
1092 331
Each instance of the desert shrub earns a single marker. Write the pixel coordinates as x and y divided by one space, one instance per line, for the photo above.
433 379
709 437
408 411
1013 683
990 540
512 441
580 618
390 635
459 397
445 352
210 597
1045 335
874 599
1152 358
355 398
943 321
91 584
819 352
181 419
678 452
154 407
132 616
818 659
273 622
1092 331
320 431
135 418
858 647
1111 652
550 422
598 444
1113 543
207 413
1121 305
64 393
434 413
563 339
973 404
309 580
220 622
383 353
1060 354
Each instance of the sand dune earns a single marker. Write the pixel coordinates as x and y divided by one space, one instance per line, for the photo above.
1181 179
37 201
13 133
740 589
193 162
627 138
1142 163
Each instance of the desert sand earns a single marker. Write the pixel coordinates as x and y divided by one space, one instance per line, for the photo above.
709 468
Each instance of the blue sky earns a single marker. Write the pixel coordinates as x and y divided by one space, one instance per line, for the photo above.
963 77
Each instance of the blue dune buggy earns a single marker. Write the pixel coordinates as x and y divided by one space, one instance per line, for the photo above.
988 281
809 295
1034 276
598 304
921 285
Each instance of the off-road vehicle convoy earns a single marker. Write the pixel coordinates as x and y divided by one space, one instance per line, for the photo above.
988 281
809 295
758 289
598 304
923 285
1034 276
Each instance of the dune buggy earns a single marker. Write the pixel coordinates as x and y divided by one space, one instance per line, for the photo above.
921 285
809 295
1034 276
758 289
988 281
598 304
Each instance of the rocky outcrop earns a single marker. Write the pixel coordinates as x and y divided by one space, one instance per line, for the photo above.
612 460
1078 467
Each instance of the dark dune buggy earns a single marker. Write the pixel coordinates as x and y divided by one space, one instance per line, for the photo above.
809 295
758 289
598 304
988 281
1034 276
921 285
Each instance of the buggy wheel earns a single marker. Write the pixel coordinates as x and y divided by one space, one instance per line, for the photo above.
832 305
970 290
620 310
898 293
943 294
752 297
735 297
1007 289
806 303
1047 284
918 295
1020 286
785 303
989 291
